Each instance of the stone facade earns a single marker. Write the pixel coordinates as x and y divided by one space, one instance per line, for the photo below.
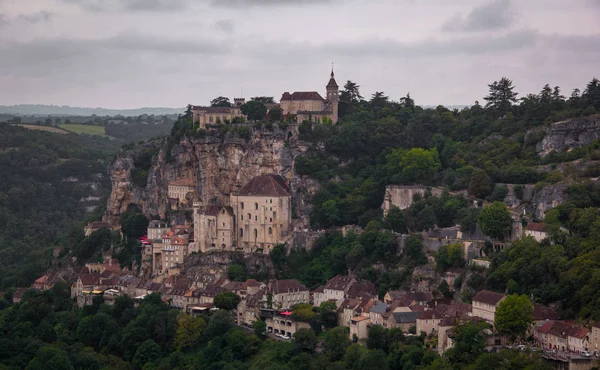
309 105
259 218
402 196
179 189
485 303
204 116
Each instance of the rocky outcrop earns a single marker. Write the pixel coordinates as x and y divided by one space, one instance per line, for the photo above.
199 265
548 197
565 135
402 196
219 165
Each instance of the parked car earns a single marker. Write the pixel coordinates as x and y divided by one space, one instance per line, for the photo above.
285 337
586 353
521 347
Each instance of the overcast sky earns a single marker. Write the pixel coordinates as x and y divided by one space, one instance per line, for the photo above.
139 53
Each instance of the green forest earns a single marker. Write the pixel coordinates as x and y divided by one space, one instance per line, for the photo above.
377 142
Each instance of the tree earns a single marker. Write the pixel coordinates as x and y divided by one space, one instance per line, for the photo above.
495 220
260 328
227 301
134 225
236 272
220 101
501 96
450 256
328 314
414 249
336 342
408 102
304 312
377 338
469 343
480 185
395 220
149 351
263 99
416 165
255 110
514 316
378 100
218 324
275 114
306 339
445 289
189 331
374 360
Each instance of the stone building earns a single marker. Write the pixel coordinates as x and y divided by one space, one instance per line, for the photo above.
485 303
179 189
536 230
309 105
214 227
204 116
263 213
287 293
259 218
156 228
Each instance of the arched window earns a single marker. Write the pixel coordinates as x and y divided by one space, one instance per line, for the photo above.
270 231
255 218
242 204
241 233
255 205
255 233
249 217
242 217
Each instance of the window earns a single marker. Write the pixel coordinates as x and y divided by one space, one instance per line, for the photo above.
270 220
274 214
223 224
270 231
255 218
242 204
242 217
249 217
255 205
271 201
255 233
241 233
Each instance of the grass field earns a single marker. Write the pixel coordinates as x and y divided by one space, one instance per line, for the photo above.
84 129
45 128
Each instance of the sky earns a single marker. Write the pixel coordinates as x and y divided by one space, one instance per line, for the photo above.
170 53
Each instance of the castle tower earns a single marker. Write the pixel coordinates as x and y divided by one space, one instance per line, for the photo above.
333 96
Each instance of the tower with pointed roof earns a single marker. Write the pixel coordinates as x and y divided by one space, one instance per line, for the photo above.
333 96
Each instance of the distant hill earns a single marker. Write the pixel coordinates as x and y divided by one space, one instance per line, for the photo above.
65 110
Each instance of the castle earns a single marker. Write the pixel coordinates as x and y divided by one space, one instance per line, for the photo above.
303 105
309 105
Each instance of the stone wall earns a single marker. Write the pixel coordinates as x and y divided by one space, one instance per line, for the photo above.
402 196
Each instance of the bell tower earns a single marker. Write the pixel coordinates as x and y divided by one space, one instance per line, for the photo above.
333 96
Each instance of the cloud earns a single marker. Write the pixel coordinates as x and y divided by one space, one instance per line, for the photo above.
267 3
134 41
38 17
389 48
579 44
3 20
225 25
493 15
131 5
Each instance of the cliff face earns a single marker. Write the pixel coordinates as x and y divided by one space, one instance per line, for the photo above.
561 136
218 165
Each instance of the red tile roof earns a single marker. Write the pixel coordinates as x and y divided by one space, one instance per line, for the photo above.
285 286
302 95
488 297
535 226
266 185
183 182
340 282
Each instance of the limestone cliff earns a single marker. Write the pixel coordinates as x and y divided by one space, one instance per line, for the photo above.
565 135
218 164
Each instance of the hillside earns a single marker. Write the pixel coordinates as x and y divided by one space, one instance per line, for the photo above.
65 110
469 182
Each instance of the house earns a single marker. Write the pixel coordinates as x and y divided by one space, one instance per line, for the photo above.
540 315
376 312
183 190
485 303
595 339
445 327
156 228
287 293
95 226
214 227
428 322
283 323
318 296
409 298
359 327
404 320
350 308
18 295
537 230
562 336
47 281
310 106
337 287
204 116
